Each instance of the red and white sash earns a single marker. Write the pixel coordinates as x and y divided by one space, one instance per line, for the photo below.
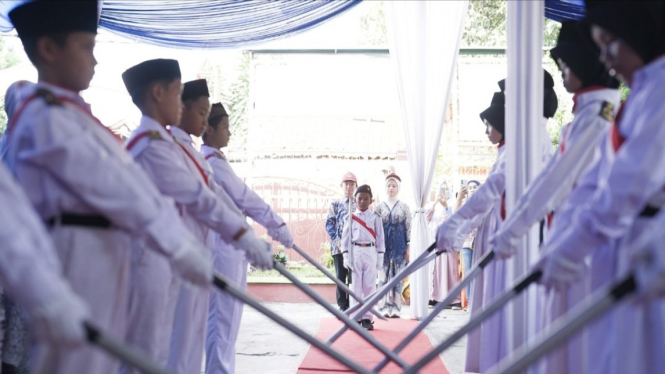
363 224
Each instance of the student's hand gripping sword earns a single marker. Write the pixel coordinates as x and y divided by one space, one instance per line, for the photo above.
478 319
121 351
421 261
482 263
338 282
389 354
224 284
566 326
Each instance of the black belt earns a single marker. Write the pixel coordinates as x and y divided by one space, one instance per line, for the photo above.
649 211
363 244
83 220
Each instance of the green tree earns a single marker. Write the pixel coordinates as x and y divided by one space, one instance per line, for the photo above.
373 25
485 25
236 99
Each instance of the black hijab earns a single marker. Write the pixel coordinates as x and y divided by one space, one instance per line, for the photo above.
576 49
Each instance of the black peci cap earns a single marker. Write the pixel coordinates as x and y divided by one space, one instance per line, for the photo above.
192 90
364 188
139 76
39 18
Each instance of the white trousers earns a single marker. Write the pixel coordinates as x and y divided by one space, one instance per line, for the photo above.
96 263
364 274
153 296
225 311
189 328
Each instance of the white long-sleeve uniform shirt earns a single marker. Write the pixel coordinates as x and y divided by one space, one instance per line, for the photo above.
486 199
67 162
29 268
593 111
629 176
244 198
175 174
361 235
624 181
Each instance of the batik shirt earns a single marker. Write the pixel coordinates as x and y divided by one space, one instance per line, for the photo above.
335 222
396 229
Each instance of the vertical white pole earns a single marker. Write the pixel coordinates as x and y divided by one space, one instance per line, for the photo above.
524 123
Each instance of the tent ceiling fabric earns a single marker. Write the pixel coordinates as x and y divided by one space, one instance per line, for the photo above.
563 10
208 24
231 23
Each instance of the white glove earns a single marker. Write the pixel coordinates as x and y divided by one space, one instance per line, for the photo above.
559 272
379 261
347 263
649 268
259 253
61 321
446 234
382 277
504 244
282 235
191 262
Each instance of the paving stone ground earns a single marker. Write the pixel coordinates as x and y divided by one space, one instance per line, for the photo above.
266 348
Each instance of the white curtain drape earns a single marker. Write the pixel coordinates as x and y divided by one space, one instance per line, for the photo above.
524 113
424 41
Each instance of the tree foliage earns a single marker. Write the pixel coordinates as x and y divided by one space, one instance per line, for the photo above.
236 99
485 25
373 25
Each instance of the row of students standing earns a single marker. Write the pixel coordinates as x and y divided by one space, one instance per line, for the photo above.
605 186
129 232
383 232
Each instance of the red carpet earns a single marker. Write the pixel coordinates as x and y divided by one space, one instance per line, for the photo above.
389 333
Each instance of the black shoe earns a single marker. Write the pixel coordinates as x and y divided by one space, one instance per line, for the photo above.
367 324
432 302
343 308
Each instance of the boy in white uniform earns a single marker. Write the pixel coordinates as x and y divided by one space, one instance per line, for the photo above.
82 183
365 235
156 89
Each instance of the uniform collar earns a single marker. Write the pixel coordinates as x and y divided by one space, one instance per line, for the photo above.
150 124
594 94
58 91
648 72
207 150
180 134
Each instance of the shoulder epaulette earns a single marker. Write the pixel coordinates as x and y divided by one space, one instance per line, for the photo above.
150 135
49 97
607 111
154 135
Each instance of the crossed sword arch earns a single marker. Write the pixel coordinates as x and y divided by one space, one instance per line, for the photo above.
598 303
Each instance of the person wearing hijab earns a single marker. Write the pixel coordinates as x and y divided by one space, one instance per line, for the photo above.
622 192
444 268
396 218
487 345
596 101
484 209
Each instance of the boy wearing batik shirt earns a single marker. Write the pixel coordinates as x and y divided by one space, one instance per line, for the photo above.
363 235
337 215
